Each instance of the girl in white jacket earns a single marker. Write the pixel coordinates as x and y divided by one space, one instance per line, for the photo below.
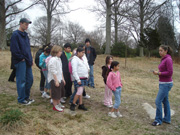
80 75
56 78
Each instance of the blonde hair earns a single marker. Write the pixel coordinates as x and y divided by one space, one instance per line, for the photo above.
55 50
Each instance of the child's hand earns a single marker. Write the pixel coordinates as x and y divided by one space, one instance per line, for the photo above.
79 83
64 82
57 84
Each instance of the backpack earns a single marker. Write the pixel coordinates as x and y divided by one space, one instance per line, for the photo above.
47 60
38 53
70 69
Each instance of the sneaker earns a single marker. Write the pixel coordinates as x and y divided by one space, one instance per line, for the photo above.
25 102
56 108
112 114
166 122
31 100
51 101
82 107
41 91
86 97
155 123
61 106
45 95
72 107
62 101
118 114
109 106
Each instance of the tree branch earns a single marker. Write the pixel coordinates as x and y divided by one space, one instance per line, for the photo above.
21 10
12 4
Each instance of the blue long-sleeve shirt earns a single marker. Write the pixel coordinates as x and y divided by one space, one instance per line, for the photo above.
42 58
20 47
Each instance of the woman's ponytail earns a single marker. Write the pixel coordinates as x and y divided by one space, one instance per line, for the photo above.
167 48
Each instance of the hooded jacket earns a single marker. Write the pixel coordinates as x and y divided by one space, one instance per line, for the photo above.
20 47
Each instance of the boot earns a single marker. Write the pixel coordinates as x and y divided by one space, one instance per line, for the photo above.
72 107
82 107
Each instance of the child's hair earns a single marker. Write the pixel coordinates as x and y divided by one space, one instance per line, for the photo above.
108 58
81 45
114 64
55 50
79 49
67 45
47 49
167 48
74 52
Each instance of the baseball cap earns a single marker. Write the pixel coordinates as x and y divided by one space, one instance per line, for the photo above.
24 20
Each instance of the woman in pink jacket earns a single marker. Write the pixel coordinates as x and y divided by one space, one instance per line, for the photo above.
114 83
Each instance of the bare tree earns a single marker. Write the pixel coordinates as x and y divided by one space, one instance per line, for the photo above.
54 8
74 33
8 11
143 15
40 28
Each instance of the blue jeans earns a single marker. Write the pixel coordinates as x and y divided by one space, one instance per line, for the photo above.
162 97
117 94
48 85
24 80
91 76
76 85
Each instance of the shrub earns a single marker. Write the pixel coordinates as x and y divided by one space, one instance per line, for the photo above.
11 117
119 50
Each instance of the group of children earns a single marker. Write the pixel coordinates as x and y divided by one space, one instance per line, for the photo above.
61 68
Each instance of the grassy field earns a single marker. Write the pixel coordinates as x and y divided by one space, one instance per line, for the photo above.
139 86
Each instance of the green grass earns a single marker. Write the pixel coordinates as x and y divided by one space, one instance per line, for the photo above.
11 119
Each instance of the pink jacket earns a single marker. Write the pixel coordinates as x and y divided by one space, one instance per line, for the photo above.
114 80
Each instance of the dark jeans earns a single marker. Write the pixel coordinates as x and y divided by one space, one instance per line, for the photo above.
13 75
42 81
24 80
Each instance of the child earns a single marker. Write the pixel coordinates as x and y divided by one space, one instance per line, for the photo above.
56 78
80 74
66 55
42 64
114 83
105 72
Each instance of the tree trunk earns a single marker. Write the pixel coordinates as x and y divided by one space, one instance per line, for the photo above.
49 18
149 54
108 27
141 2
3 42
116 23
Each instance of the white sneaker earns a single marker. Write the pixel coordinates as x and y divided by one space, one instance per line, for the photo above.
61 106
57 108
45 95
51 101
87 96
112 114
62 101
109 106
118 114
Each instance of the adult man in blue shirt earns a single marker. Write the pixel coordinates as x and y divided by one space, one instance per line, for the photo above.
22 60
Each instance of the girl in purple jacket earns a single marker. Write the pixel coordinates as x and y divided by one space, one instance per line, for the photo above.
165 84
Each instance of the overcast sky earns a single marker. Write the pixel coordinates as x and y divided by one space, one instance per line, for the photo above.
85 18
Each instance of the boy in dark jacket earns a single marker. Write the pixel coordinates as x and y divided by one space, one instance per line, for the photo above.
66 55
91 56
